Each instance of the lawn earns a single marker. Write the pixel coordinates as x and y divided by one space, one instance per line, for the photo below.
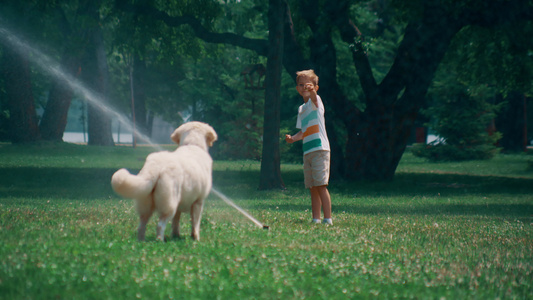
438 231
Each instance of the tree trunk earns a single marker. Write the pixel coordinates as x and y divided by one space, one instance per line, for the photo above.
54 120
376 142
377 136
270 177
139 95
23 122
324 56
95 73
55 115
511 122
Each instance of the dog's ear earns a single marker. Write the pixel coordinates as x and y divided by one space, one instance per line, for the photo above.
210 136
176 136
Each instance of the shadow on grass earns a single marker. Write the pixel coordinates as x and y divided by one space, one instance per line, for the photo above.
404 184
356 197
484 195
70 183
489 210
440 184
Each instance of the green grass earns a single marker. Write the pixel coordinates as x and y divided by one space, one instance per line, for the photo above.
448 230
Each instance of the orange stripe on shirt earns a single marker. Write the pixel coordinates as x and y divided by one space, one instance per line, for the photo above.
311 130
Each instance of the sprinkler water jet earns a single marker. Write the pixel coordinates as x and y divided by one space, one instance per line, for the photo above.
54 69
232 204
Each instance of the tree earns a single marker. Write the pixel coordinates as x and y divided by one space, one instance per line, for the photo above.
461 116
270 176
376 134
23 123
138 94
54 119
20 103
512 122
498 58
95 74
23 113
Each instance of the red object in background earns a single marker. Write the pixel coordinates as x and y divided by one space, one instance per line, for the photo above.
420 135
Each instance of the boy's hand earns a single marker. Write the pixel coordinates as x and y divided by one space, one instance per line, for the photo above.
310 88
288 139
293 138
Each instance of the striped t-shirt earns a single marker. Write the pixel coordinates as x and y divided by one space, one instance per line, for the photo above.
311 122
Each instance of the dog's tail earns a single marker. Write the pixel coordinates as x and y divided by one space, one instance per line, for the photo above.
131 186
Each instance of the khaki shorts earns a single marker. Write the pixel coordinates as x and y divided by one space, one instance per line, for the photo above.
316 168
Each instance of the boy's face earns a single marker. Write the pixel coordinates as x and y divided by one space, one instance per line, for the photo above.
305 87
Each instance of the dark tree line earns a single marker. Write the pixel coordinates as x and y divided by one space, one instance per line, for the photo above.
83 56
376 136
374 127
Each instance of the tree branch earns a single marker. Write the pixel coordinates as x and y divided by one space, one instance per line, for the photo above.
293 59
497 12
423 47
258 45
338 12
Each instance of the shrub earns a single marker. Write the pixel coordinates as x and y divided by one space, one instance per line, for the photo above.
461 117
445 152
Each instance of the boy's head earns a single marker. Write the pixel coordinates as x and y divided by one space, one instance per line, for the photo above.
310 74
306 82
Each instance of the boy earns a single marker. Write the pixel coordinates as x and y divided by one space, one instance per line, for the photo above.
315 144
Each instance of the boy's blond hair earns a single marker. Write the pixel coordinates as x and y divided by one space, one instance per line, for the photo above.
307 74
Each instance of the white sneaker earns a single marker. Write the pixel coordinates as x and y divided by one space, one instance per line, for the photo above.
327 221
315 221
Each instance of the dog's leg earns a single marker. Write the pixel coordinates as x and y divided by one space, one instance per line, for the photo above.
141 230
196 216
161 225
176 225
145 210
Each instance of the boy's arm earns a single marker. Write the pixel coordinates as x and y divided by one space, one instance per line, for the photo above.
313 97
293 138
312 93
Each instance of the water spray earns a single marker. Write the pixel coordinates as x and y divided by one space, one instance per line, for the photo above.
53 68
232 204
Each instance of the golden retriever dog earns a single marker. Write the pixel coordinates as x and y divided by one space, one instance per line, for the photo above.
172 182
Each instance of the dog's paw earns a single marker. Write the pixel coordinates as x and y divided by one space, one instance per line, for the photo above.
161 239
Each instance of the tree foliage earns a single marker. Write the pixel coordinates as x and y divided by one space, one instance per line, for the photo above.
376 61
461 116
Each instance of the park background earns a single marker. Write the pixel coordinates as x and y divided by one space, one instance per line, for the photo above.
392 74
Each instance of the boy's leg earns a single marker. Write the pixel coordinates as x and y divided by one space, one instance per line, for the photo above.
325 200
320 174
316 202
316 170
